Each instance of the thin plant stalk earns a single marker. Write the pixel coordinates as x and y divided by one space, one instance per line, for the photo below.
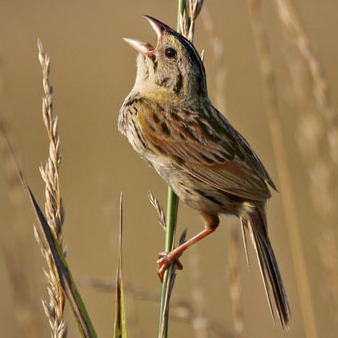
15 257
172 207
50 243
54 309
288 197
120 327
188 11
171 219
61 283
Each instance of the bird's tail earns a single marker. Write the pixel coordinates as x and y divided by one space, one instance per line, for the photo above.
255 222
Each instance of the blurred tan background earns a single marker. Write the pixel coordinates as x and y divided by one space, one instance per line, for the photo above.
92 70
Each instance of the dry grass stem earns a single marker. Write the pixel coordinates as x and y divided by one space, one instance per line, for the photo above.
188 19
50 172
289 203
14 184
54 309
15 258
217 48
157 205
291 22
199 321
235 280
329 253
321 91
317 134
217 54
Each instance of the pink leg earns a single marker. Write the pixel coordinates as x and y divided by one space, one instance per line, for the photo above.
167 258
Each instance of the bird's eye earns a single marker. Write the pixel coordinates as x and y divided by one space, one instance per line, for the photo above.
170 52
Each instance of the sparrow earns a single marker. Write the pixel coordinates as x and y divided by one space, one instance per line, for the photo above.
171 123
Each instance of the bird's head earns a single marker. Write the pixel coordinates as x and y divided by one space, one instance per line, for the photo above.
172 70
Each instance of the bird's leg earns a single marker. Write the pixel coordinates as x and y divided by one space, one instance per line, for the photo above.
166 258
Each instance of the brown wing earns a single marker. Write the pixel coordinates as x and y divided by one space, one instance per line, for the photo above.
208 148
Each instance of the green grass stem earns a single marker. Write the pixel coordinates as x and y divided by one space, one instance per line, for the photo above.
171 218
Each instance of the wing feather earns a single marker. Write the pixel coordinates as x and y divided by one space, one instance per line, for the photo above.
208 148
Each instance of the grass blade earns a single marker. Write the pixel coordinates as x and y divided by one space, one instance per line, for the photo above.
120 328
67 282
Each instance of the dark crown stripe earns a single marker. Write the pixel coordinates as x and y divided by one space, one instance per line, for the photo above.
192 53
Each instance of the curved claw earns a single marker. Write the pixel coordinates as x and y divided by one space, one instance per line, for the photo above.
164 261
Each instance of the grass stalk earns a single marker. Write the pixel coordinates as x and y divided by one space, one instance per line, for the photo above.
288 198
171 219
235 240
15 254
186 16
120 327
172 207
53 206
49 244
61 283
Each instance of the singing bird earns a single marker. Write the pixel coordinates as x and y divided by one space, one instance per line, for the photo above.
170 122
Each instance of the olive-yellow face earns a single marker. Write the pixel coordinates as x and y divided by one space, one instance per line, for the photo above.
173 68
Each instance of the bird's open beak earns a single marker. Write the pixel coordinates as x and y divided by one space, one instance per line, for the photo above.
145 47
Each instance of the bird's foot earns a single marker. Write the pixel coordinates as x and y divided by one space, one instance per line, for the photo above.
165 260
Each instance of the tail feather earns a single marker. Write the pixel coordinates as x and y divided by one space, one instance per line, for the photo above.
255 222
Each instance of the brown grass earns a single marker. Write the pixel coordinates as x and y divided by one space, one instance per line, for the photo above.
317 137
318 143
235 287
296 37
289 202
15 254
54 309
